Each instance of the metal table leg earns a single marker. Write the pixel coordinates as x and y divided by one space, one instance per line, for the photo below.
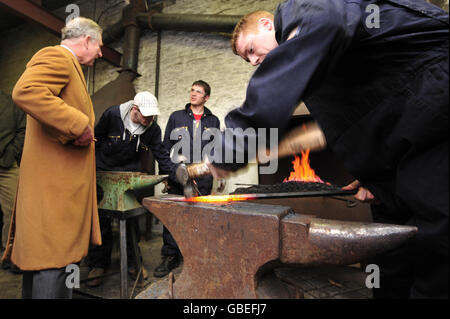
123 259
137 256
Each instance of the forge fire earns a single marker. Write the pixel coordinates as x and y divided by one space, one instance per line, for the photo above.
302 179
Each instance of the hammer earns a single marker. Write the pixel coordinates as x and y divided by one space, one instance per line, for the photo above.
308 136
187 173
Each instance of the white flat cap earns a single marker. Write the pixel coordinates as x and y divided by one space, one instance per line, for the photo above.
147 103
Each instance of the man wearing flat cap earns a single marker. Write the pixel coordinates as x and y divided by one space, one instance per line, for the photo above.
123 133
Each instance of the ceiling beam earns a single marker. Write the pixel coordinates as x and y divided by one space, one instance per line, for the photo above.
33 12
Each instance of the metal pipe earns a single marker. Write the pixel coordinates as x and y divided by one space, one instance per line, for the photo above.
132 39
188 22
113 33
176 22
158 64
131 48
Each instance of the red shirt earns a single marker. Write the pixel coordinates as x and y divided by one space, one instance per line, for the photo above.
197 116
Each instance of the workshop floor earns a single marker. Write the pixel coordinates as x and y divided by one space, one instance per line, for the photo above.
11 284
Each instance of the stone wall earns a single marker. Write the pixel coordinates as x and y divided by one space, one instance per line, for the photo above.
440 3
14 54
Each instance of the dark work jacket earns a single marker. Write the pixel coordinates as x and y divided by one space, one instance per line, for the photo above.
379 94
113 153
12 131
181 123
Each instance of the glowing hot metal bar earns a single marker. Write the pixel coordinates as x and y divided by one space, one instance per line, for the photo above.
243 197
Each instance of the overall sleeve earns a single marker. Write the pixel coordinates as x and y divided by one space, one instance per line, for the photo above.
217 125
169 127
21 121
37 94
292 70
101 129
160 152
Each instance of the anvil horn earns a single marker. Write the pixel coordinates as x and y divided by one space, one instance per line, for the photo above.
312 241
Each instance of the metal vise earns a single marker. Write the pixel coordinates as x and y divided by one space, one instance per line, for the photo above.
227 248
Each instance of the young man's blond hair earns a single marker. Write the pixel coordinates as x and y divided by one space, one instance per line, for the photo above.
248 23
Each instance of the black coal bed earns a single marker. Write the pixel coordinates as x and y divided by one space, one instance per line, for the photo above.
297 187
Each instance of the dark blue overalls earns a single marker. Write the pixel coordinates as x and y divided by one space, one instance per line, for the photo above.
179 121
379 90
117 149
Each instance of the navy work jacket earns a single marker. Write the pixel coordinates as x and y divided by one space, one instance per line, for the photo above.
115 153
378 93
181 124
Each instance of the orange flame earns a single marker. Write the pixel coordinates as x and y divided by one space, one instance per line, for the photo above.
302 170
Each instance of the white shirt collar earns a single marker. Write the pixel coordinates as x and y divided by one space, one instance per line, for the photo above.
65 46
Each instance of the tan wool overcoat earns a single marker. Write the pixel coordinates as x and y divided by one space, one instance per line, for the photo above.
56 213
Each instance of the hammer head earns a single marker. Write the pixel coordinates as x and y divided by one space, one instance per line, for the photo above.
189 185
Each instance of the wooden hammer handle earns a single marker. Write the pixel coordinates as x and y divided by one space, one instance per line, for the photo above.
198 170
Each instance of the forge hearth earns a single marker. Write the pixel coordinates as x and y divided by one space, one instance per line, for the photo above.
288 187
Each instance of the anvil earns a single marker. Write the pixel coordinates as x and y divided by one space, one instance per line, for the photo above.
227 247
119 201
120 188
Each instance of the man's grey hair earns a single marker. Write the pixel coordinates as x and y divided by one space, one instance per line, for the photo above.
79 27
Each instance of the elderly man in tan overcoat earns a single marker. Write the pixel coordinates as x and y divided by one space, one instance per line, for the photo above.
56 213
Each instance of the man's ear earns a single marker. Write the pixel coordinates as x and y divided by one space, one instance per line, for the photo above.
86 40
206 98
266 24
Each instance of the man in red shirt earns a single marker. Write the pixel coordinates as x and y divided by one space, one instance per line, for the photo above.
189 123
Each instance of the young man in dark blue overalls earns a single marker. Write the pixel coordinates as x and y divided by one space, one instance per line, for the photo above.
374 75
189 123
